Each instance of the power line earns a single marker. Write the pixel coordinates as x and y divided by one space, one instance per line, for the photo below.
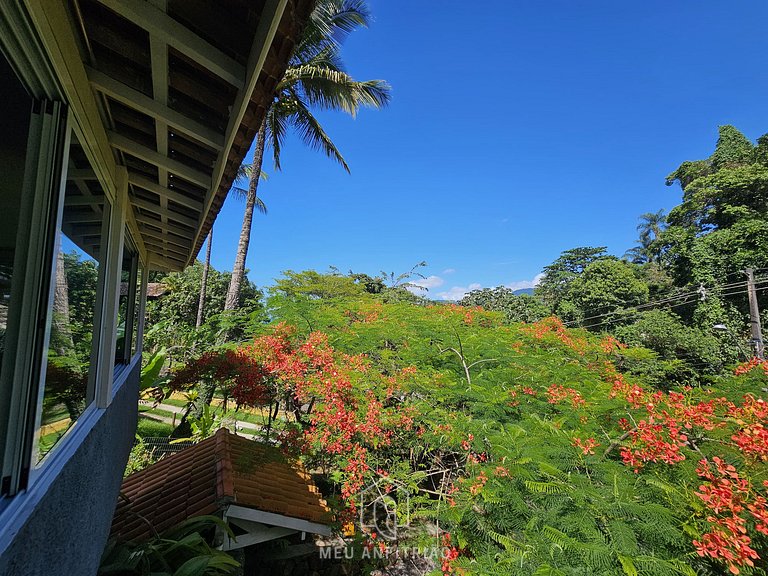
684 295
632 312
669 306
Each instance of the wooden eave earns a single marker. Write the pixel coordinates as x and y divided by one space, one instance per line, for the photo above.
181 87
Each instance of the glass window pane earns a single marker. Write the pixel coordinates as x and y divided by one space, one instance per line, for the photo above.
125 309
72 314
13 149
136 311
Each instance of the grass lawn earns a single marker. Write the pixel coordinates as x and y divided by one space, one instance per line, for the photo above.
157 412
246 415
149 427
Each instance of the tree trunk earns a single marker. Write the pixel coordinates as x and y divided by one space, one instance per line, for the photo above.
61 332
238 272
204 281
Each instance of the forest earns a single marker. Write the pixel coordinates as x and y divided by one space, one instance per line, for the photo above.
612 422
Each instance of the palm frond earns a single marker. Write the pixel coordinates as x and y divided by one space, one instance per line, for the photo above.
260 206
312 133
330 23
336 90
276 125
244 173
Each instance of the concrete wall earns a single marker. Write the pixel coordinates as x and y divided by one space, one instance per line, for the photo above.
66 533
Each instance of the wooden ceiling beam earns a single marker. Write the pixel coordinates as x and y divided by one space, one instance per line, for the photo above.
85 230
147 184
159 24
165 238
176 252
143 103
158 51
153 157
166 264
91 218
159 210
83 201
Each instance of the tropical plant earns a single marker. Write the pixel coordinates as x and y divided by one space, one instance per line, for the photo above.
185 550
315 78
602 292
171 318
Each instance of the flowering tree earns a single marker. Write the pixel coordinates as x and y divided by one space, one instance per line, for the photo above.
556 458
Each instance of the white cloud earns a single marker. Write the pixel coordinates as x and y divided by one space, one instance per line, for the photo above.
449 270
523 284
429 282
458 292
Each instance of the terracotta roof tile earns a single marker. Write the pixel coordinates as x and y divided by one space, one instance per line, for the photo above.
206 477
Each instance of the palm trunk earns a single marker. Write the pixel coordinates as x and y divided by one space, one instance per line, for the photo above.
204 281
238 272
61 332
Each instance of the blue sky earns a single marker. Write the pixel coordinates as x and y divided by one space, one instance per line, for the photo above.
515 132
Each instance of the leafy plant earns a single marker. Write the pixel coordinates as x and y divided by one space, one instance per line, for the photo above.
185 550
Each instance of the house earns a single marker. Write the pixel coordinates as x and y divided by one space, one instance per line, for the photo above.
124 124
259 493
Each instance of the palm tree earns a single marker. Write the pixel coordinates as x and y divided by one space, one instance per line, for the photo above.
204 280
636 255
315 78
651 226
243 173
652 223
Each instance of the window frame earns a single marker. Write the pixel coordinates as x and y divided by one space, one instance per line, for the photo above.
56 234
44 175
29 45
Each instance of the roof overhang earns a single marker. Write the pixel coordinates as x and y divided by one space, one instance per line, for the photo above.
174 91
260 526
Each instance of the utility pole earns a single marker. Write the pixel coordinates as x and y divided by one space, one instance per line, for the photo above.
754 315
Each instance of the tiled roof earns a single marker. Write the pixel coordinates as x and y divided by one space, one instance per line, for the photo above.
205 478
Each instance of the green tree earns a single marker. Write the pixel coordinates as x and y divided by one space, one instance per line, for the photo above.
602 292
315 78
692 350
516 307
171 319
559 275
82 278
315 285
721 226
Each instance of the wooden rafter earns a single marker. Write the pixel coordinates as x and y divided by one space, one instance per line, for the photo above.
153 157
166 238
147 184
160 112
159 24
164 213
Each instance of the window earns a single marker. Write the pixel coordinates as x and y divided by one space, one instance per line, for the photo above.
136 311
13 154
126 304
73 313
34 140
